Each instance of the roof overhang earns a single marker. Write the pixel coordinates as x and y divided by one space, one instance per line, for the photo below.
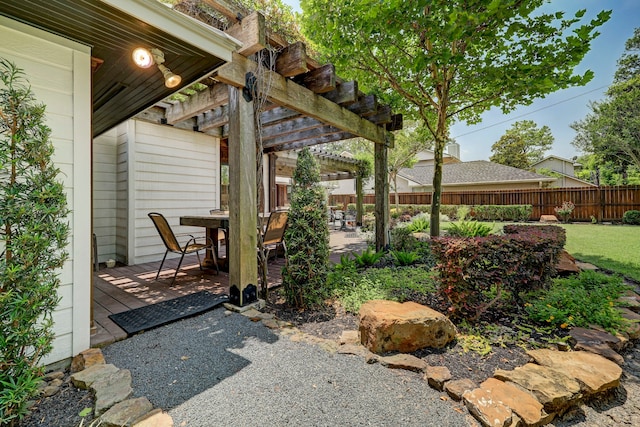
112 29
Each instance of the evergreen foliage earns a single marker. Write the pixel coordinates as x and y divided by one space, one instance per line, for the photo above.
307 236
33 235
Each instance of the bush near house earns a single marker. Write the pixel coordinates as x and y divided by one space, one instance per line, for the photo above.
519 213
33 209
474 272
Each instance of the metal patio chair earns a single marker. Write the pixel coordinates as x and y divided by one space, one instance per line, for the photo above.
172 245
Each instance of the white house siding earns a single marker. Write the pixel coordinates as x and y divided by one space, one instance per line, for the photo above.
171 171
105 155
60 75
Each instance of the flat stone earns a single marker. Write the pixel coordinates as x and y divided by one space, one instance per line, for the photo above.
111 390
633 329
456 388
550 387
155 418
271 323
601 349
85 378
594 373
566 264
389 326
586 266
86 359
49 390
593 336
354 349
437 376
486 409
256 315
404 361
548 218
522 403
630 302
55 375
349 337
125 413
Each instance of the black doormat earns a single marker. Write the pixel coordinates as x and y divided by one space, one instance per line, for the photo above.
154 315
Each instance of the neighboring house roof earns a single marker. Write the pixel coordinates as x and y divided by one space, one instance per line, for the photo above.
472 173
580 182
551 157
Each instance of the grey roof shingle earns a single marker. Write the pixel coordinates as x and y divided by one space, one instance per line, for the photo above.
475 172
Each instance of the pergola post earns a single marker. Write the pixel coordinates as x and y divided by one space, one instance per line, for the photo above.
273 188
382 196
359 199
243 264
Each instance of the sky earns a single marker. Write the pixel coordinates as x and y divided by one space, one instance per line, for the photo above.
559 109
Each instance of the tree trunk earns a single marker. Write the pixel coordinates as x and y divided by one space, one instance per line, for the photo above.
440 139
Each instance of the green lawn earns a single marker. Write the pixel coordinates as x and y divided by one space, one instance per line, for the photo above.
612 247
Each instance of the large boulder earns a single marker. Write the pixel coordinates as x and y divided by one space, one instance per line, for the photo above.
387 326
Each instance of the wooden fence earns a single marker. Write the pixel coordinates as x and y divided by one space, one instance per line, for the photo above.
603 203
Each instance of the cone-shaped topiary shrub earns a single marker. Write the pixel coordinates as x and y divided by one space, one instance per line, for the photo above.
33 235
307 236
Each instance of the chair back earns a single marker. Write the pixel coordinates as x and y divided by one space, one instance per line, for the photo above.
165 231
276 226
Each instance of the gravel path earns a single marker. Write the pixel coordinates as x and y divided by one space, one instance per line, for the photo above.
223 369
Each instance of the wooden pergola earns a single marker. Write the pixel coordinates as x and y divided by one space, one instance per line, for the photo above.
303 104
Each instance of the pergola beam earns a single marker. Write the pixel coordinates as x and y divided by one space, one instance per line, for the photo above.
291 95
208 99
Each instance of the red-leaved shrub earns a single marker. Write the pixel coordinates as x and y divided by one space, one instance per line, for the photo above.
475 271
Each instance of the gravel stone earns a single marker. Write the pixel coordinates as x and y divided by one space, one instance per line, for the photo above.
227 370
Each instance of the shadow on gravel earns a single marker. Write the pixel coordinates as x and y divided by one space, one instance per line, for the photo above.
171 364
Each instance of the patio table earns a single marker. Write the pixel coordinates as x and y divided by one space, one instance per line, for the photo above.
212 223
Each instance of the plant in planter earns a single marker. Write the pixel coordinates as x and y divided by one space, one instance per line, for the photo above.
33 235
565 211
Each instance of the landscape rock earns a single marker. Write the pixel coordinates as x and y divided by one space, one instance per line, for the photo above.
548 218
566 264
86 359
85 378
437 376
349 337
55 375
552 388
49 390
456 388
634 322
355 349
594 336
389 326
486 409
594 373
125 413
111 390
494 392
404 361
155 418
602 350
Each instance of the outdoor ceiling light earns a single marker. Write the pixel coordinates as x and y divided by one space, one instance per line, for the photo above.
145 58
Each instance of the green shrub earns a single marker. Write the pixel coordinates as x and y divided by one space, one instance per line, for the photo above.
368 257
354 288
518 213
631 217
419 224
585 300
402 239
33 210
307 236
469 229
405 258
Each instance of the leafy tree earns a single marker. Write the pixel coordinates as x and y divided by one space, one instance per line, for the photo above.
33 235
606 173
307 236
450 59
522 145
612 129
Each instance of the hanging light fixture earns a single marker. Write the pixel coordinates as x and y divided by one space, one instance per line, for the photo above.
144 58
